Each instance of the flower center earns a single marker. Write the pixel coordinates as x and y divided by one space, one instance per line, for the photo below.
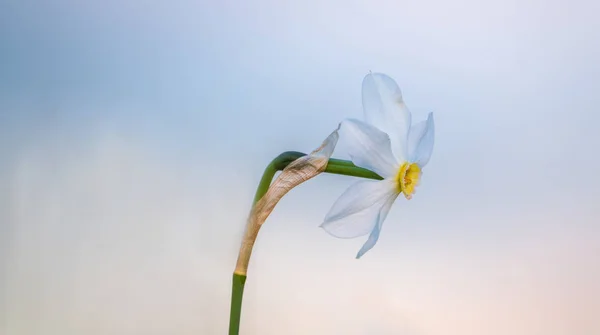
408 178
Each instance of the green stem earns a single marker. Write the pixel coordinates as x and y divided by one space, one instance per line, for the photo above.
237 292
334 166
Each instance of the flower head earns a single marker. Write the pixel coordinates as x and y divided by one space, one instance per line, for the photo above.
387 144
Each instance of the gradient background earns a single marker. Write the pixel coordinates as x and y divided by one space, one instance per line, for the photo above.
133 135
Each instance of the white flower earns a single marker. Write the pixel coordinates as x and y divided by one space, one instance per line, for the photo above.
388 145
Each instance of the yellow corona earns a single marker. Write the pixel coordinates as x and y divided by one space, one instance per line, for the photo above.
408 179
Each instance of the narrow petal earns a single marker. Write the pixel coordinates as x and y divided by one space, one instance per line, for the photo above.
369 148
421 140
353 214
414 138
384 108
374 236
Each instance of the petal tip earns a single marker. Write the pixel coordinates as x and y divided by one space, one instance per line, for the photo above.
380 75
361 253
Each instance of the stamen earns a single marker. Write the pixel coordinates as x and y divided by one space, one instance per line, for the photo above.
408 178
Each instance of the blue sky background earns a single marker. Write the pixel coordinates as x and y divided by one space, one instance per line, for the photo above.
133 135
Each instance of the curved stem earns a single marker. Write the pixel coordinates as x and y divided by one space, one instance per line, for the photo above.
334 166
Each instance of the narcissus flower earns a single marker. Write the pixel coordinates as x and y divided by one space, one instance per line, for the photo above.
387 144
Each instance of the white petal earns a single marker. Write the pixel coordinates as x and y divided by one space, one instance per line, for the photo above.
353 214
374 236
384 108
420 141
414 138
370 148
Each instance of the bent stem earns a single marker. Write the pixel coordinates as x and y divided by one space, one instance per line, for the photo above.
334 166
